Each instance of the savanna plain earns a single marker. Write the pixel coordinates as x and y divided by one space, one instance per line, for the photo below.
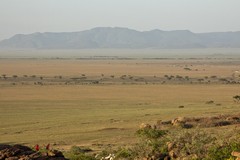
100 102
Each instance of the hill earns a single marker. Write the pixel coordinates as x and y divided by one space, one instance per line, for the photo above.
107 37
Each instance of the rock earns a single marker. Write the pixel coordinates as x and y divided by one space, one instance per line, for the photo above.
172 154
145 126
190 157
19 152
178 121
167 158
169 146
236 154
4 146
23 148
12 158
54 153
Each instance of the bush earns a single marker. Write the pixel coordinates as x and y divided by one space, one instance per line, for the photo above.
191 143
81 157
147 149
77 153
223 151
236 98
125 153
153 143
150 133
78 150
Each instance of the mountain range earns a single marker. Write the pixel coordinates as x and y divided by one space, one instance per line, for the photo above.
108 37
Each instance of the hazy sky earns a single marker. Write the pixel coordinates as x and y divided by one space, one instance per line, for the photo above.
27 16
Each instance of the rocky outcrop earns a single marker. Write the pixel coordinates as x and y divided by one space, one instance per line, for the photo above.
20 152
202 122
145 126
236 154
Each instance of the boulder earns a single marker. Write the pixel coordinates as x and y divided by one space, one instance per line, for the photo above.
178 121
236 154
20 152
145 126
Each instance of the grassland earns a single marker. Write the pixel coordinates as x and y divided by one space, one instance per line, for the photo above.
106 113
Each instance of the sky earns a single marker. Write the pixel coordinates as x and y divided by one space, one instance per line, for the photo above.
29 16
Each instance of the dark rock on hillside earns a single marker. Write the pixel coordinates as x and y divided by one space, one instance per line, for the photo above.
20 152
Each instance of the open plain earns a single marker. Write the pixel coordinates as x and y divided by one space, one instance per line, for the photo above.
102 102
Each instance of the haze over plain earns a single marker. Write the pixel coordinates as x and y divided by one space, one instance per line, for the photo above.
27 16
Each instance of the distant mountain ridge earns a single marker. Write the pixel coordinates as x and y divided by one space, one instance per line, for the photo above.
107 37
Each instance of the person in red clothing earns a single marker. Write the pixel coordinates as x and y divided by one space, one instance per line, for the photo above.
48 147
37 147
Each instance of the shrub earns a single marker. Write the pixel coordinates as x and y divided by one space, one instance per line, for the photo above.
187 69
180 106
153 143
179 77
125 153
191 143
209 102
236 98
223 151
81 157
150 133
77 153
78 150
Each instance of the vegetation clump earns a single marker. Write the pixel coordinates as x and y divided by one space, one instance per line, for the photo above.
236 98
78 153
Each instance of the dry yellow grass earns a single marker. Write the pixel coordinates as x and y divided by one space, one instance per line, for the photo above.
53 67
101 114
92 114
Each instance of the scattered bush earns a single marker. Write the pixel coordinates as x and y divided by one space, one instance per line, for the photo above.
224 150
78 150
180 106
80 157
210 102
125 153
213 76
179 77
150 133
236 98
158 144
78 153
187 69
221 123
191 144
187 77
153 143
